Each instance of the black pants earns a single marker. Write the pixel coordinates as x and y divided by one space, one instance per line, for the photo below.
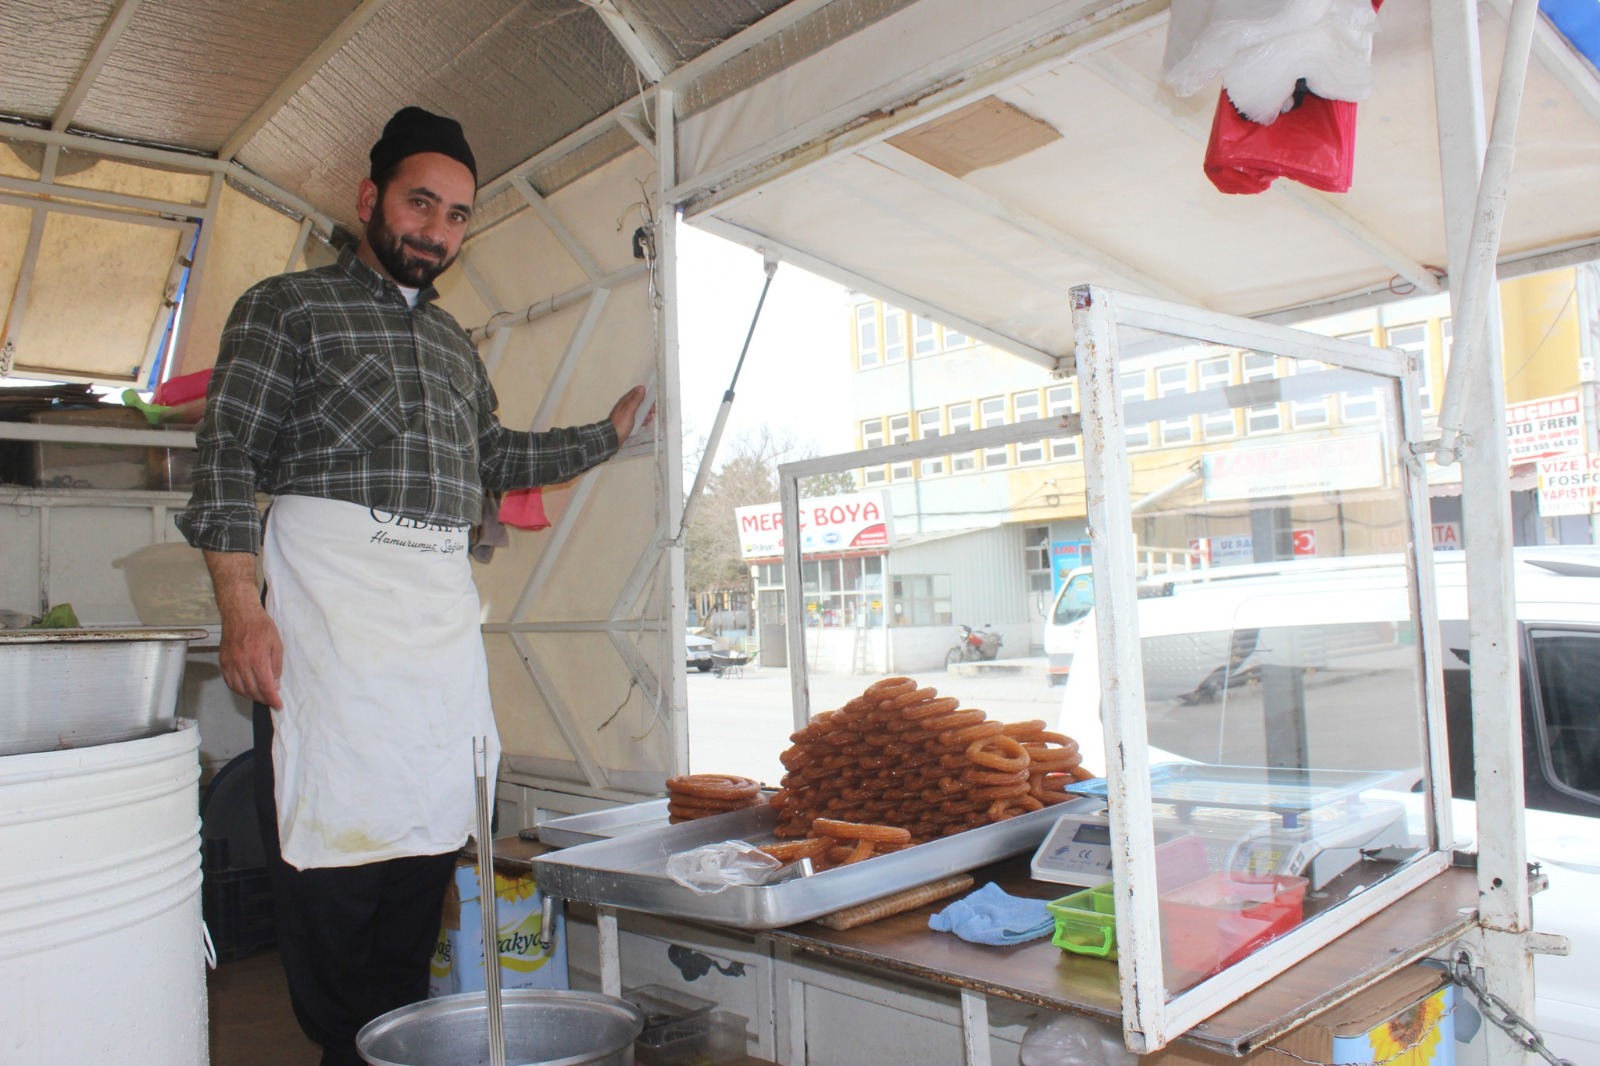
355 940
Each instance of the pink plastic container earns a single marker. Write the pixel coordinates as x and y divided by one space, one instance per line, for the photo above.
1210 924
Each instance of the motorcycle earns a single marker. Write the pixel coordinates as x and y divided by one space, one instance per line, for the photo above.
974 645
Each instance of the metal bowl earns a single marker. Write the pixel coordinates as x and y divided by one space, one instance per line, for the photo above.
75 688
542 1028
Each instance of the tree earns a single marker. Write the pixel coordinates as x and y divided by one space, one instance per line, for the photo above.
748 476
838 484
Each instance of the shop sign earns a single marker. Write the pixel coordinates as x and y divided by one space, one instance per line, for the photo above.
1568 483
1226 551
1447 536
1065 557
827 524
1551 426
1293 469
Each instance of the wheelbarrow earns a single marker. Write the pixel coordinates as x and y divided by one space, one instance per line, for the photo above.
728 664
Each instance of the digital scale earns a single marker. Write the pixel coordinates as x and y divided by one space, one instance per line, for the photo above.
1248 820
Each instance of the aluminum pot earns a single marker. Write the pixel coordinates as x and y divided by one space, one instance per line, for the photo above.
75 688
542 1028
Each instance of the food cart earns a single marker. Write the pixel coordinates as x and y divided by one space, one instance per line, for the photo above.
1013 169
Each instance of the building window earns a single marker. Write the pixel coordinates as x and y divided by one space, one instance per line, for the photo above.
1313 412
900 433
1173 381
922 600
929 425
1359 405
1133 384
894 336
1025 407
843 592
992 412
1215 375
1414 341
1036 557
924 336
1263 417
872 437
1061 400
952 339
866 335
961 422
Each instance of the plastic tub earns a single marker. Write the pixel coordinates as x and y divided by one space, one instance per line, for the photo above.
1212 923
663 1006
699 1041
1086 922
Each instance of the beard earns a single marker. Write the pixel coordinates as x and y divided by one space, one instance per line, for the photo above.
394 252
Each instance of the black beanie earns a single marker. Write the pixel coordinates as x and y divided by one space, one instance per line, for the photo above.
414 130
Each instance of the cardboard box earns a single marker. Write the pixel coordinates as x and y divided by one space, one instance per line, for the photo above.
1411 1006
457 964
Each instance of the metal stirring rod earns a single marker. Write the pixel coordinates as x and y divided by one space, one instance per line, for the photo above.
486 897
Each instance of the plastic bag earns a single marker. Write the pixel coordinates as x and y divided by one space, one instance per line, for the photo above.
717 867
1264 49
1314 143
1068 1040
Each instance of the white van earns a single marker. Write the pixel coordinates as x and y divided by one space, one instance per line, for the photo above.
1072 605
1210 640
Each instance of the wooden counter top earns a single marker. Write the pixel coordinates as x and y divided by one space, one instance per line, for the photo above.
1042 975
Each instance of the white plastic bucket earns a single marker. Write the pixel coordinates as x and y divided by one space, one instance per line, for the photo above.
101 957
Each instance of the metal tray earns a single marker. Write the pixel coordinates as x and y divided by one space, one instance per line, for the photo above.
590 826
630 871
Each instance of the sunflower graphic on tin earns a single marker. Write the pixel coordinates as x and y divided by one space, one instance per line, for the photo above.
1410 1038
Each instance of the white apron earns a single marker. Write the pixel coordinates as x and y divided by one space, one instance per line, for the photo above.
384 683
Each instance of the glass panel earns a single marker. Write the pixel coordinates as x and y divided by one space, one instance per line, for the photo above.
894 336
1565 665
928 425
961 422
924 336
866 335
1282 673
1062 400
992 412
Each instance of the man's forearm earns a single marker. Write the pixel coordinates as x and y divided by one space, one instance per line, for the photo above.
233 576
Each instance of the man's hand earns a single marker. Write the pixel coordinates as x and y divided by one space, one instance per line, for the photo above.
626 412
251 654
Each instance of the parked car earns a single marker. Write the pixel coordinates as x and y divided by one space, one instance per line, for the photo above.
699 651
1072 605
1209 638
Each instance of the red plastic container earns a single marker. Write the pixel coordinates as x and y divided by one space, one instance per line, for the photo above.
1210 924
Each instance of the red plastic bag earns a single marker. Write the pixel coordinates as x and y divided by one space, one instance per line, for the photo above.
1314 143
524 509
182 389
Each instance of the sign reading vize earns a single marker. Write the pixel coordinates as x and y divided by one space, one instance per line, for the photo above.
827 524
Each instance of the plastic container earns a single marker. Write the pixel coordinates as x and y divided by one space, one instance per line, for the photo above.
663 1006
699 1041
1086 922
1210 924
170 585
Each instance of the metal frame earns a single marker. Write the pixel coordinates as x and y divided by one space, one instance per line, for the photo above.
662 683
1150 1019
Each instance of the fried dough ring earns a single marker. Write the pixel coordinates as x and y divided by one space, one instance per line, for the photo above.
999 753
957 738
889 687
931 709
713 786
797 849
954 720
991 778
887 834
1024 730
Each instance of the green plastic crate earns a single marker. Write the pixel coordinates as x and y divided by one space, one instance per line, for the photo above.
1086 922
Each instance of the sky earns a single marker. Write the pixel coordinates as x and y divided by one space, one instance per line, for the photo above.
797 373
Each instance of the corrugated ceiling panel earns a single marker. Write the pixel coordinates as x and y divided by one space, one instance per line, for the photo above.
518 74
43 45
689 29
190 72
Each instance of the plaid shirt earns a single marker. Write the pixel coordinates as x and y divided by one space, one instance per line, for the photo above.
328 384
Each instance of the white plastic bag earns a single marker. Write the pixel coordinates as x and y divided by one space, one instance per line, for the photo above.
716 867
1262 48
1069 1040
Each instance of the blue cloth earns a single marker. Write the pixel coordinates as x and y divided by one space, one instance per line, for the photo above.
990 916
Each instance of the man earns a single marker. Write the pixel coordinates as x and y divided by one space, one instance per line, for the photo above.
362 408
